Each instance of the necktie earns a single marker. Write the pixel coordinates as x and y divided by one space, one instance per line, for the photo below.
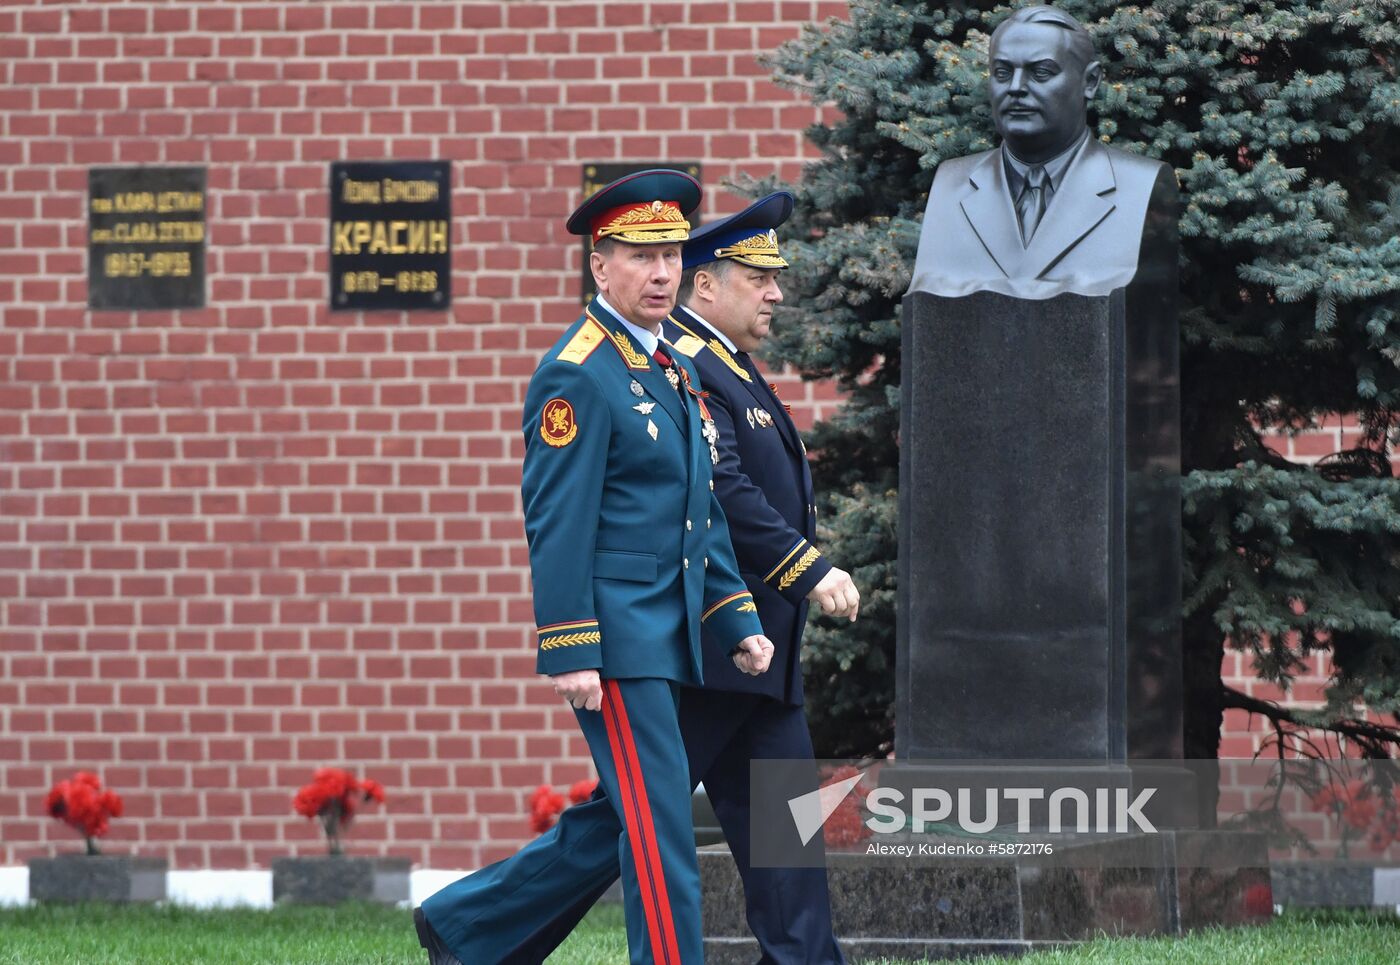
1030 207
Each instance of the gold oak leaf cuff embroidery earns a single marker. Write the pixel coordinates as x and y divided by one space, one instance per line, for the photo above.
571 640
803 564
732 598
572 634
749 607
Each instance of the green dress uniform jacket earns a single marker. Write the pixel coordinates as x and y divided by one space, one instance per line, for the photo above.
629 549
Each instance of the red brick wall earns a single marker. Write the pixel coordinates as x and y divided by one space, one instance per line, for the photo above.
242 542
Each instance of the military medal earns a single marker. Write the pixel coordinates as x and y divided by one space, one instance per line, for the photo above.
763 418
644 407
636 388
651 430
749 412
711 435
673 378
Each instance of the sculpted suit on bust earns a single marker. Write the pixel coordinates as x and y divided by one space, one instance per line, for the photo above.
1052 209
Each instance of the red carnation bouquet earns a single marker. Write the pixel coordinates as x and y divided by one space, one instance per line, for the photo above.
333 795
83 805
546 804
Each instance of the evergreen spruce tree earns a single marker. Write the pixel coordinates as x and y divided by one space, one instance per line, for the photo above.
1282 120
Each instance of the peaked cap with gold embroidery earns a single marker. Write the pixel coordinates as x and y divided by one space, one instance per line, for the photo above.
747 237
646 208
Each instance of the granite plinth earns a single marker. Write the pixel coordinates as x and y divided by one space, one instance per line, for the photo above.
330 879
1324 884
1040 532
1161 884
97 877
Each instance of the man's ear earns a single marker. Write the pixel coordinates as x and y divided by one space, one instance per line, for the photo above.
599 266
706 285
1093 76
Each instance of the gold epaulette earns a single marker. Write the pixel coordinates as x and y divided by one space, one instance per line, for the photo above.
690 343
589 336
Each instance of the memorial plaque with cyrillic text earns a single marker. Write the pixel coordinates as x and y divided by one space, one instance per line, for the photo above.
391 225
146 231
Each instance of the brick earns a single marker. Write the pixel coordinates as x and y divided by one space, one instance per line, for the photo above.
207 489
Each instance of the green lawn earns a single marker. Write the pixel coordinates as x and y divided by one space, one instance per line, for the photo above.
372 934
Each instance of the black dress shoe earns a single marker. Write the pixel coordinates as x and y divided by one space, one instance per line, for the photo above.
438 953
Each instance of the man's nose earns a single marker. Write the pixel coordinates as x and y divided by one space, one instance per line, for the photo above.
1018 81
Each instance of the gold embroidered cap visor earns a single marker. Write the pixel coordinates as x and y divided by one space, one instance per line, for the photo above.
748 237
647 208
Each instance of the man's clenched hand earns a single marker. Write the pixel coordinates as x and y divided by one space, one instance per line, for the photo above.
581 688
753 654
836 594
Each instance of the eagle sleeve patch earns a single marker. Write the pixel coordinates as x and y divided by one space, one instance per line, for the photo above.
558 427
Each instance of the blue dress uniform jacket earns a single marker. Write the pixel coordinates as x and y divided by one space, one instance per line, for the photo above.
765 485
629 549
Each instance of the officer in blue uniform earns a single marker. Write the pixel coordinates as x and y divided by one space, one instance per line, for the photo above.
728 292
630 556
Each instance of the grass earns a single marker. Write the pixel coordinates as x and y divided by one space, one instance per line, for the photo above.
350 934
72 934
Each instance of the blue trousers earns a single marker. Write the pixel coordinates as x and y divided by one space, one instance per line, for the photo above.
638 823
788 909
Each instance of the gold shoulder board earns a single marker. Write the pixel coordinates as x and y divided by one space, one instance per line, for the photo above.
688 345
589 336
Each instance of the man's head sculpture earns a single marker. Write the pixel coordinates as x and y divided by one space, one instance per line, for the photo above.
1043 74
1051 209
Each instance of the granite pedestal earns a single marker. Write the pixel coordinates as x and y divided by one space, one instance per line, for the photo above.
97 877
1040 528
331 879
893 908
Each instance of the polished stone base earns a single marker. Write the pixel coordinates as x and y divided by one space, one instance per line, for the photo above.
891 908
1335 884
97 877
336 878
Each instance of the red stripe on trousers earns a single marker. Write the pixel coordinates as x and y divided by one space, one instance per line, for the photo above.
641 833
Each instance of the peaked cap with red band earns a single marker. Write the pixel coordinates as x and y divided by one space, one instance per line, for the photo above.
646 208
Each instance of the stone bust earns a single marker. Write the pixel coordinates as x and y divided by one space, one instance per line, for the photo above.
1050 210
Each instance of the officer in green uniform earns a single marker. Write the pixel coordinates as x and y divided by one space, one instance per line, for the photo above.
630 556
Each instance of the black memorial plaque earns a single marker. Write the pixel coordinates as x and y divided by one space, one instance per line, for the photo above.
146 230
391 228
596 176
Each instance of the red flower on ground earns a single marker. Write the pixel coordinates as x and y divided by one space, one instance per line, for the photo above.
545 807
1259 900
83 805
333 796
845 826
546 804
581 791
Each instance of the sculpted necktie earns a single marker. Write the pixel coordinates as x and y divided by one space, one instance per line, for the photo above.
1030 208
